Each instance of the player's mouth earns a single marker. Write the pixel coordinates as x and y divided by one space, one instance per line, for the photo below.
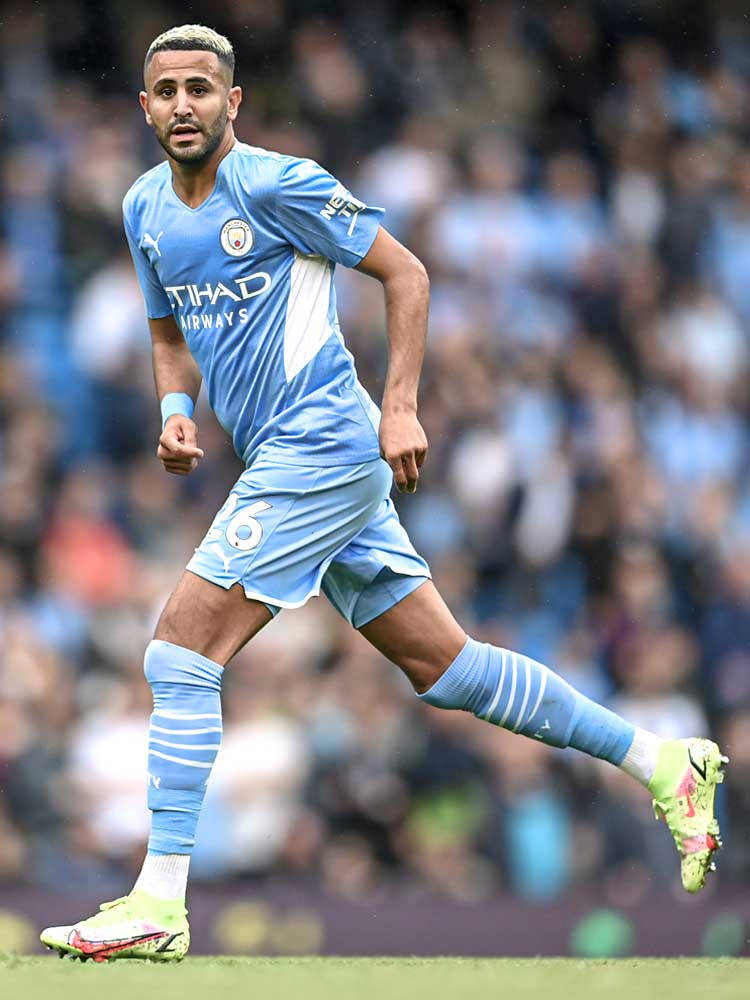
184 133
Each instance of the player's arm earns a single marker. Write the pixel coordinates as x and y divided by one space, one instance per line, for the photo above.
403 443
175 371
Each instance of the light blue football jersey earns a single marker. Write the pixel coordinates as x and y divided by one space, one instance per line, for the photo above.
248 276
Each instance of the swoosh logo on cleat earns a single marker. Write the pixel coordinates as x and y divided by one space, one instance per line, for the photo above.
165 947
700 770
106 948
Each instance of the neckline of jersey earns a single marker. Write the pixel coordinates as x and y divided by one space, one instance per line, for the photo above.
207 199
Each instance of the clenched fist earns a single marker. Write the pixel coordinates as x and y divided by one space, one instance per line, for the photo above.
178 449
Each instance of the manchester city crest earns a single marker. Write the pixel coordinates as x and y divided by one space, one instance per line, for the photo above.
236 237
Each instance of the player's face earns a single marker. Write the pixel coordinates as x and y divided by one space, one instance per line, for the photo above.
188 103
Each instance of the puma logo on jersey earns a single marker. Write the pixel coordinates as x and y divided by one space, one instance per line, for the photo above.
149 240
217 550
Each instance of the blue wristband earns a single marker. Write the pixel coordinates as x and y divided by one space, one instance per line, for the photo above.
176 402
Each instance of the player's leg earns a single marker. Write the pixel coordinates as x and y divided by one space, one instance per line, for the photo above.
450 670
453 671
202 626
268 547
200 629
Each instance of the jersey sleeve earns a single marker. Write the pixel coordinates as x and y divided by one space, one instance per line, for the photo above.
318 215
157 300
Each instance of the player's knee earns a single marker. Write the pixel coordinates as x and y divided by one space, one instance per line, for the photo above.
167 664
155 662
163 663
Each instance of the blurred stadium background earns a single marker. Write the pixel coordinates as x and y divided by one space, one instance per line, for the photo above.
577 179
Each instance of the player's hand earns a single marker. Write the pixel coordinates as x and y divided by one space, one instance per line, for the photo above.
403 444
178 450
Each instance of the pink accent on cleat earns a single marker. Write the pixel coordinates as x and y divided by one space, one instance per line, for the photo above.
701 842
102 950
686 789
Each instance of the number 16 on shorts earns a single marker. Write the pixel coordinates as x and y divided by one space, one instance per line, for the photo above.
242 530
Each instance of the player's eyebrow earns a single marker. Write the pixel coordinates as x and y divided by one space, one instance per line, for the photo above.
191 79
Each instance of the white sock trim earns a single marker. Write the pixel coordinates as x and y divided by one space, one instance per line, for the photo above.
640 760
164 875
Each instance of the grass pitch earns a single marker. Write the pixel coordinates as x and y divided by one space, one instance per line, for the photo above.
382 978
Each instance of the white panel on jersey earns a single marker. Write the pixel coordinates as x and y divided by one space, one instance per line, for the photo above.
307 327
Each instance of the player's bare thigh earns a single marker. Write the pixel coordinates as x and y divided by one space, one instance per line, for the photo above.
210 620
419 634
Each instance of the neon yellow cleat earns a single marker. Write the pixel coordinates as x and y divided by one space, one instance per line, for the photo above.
683 787
136 926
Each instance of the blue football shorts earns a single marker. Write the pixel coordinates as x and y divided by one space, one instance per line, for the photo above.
286 532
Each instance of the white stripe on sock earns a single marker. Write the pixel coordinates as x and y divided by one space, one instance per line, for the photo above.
539 697
187 732
496 699
525 701
512 691
178 760
181 715
185 746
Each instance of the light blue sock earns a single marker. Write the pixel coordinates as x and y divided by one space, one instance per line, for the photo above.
524 696
183 740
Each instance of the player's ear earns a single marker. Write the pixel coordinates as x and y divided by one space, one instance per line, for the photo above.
143 98
234 99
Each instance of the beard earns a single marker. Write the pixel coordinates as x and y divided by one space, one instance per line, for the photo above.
201 151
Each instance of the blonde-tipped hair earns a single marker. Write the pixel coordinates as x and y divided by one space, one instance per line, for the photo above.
193 36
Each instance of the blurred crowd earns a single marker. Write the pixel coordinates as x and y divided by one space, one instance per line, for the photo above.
576 177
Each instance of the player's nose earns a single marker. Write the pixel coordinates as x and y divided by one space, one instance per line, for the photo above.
183 108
